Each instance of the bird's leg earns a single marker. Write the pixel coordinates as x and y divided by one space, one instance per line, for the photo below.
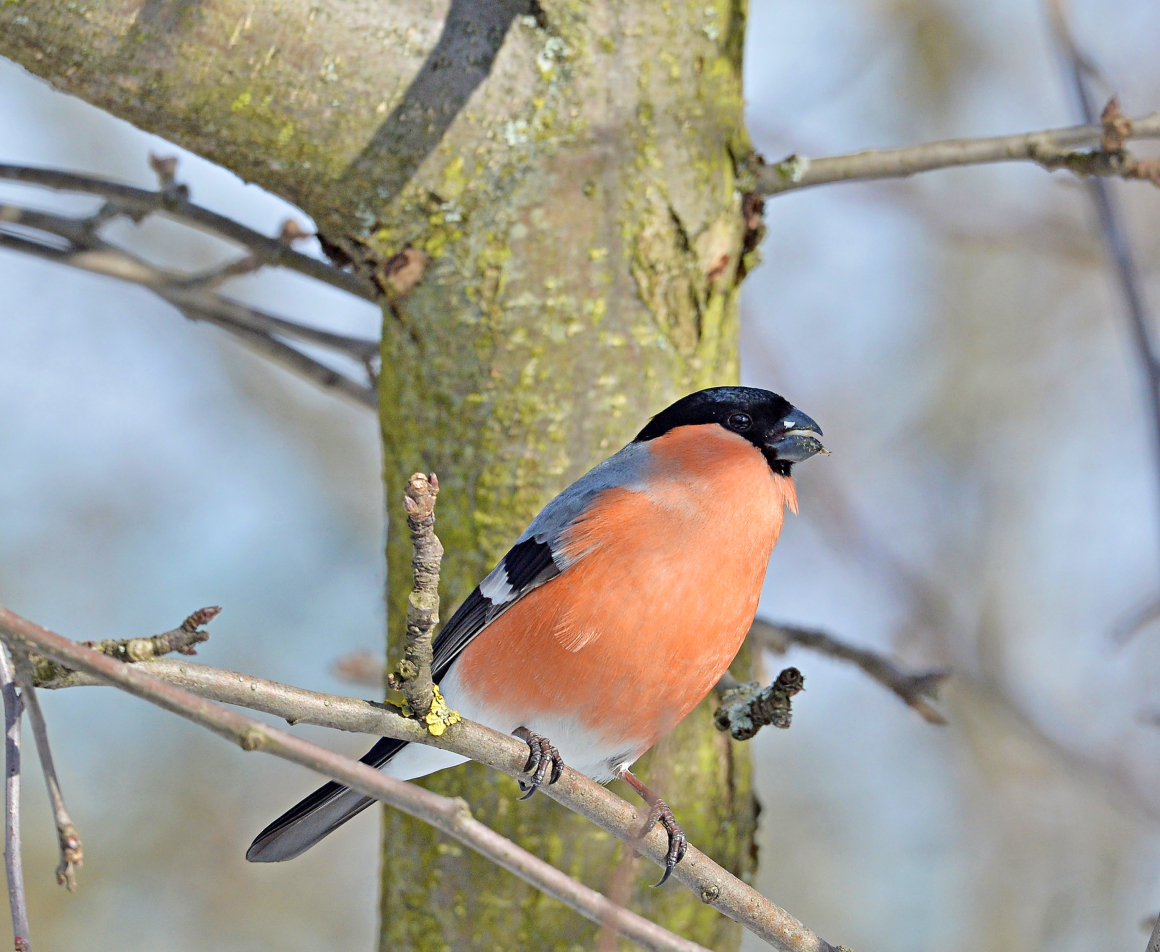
659 812
542 758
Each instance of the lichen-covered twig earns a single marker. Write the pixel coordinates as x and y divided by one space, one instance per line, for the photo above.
182 639
917 690
413 675
705 878
72 854
77 242
450 815
748 707
1052 149
13 863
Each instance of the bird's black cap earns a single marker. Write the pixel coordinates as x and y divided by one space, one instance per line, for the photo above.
783 433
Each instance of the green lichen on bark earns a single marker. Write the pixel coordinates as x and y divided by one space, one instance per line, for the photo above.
581 214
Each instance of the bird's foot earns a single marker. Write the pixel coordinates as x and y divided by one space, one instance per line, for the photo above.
544 762
659 812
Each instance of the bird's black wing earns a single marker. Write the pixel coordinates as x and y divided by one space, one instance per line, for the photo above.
527 565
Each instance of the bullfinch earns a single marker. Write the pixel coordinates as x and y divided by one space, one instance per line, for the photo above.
615 613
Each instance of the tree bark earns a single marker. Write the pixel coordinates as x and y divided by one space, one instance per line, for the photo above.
572 176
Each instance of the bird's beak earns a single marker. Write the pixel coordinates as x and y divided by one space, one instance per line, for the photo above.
796 438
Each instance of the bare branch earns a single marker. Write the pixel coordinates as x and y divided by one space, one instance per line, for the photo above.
13 862
451 816
173 203
705 878
1052 149
413 675
914 689
72 854
80 246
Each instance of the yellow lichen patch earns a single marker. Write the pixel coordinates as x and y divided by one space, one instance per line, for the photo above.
454 181
440 717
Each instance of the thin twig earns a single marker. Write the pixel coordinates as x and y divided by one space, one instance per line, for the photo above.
705 878
72 854
450 815
1052 148
138 203
413 675
13 863
915 689
76 243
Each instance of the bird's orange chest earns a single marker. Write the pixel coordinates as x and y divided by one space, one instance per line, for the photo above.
663 590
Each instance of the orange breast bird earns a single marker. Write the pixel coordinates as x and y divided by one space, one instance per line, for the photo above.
616 611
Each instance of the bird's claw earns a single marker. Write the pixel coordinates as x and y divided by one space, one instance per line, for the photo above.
544 762
678 842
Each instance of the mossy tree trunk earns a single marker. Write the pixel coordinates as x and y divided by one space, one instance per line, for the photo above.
571 171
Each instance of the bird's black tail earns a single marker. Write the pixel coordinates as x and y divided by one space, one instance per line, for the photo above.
320 814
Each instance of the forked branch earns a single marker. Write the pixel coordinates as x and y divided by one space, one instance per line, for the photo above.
705 878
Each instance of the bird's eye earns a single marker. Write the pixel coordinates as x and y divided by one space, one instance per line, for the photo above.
740 422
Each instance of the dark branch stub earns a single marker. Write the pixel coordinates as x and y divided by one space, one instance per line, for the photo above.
916 689
748 707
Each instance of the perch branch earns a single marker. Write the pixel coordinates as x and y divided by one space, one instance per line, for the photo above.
1053 149
916 690
72 854
450 815
413 676
13 864
707 880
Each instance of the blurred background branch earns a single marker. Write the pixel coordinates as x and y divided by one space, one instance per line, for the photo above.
916 690
1079 69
